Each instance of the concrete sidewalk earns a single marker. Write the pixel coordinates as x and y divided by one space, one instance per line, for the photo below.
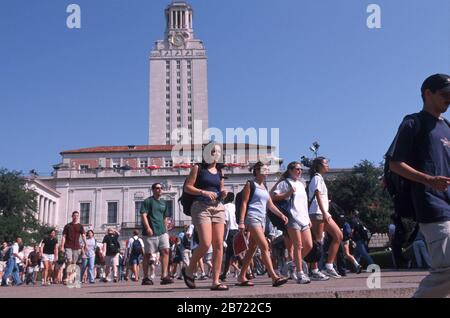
392 284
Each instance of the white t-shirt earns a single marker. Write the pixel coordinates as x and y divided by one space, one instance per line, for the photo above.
230 216
299 209
190 231
15 250
317 183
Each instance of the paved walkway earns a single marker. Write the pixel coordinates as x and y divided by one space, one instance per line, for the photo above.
392 284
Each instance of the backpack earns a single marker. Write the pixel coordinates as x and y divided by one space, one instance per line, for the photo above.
347 231
7 254
284 206
113 245
238 199
399 188
136 248
187 199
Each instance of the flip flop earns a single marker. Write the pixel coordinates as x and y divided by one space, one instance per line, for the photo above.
279 281
247 283
189 281
221 287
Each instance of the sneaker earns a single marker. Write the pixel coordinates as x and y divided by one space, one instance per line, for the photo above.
115 280
203 277
331 273
303 279
104 280
358 269
147 281
318 276
293 275
166 280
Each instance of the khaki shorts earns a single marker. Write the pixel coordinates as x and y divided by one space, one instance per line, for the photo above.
72 256
153 244
2 266
207 213
112 260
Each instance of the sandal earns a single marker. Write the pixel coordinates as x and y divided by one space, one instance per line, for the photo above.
279 281
246 283
221 287
189 281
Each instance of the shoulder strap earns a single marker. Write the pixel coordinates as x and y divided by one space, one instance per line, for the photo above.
313 196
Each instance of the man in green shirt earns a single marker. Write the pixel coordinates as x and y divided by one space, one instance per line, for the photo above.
155 219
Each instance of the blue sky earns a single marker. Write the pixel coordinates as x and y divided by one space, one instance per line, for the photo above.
311 68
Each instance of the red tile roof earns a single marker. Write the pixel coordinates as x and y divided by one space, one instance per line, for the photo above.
144 148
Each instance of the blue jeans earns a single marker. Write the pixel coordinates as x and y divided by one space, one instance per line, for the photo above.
12 268
88 262
362 252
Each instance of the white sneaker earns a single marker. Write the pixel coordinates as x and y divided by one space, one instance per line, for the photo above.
303 279
293 275
318 276
331 273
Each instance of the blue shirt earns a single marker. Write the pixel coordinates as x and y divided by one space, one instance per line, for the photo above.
426 149
208 181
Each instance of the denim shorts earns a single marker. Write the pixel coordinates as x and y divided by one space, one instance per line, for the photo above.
254 220
294 225
316 217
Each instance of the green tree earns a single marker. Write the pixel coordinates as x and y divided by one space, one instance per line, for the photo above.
17 209
362 190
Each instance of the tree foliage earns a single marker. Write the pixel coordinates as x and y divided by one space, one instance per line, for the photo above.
17 209
362 190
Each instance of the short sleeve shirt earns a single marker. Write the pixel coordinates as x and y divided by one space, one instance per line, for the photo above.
299 208
317 183
427 149
156 211
73 233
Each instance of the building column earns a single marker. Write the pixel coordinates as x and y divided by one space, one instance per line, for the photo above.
53 214
41 209
44 210
38 205
50 212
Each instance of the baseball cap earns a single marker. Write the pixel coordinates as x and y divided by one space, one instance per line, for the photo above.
436 82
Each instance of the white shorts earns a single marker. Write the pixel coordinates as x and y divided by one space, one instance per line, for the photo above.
112 260
48 257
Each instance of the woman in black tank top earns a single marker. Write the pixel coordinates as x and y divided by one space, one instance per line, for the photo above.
208 213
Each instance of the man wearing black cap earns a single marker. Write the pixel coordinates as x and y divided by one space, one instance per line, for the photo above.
421 153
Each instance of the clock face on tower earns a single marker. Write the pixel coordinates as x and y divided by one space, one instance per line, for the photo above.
177 39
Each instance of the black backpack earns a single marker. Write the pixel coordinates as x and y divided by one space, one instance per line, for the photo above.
136 248
399 188
238 199
7 254
284 206
187 199
113 245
